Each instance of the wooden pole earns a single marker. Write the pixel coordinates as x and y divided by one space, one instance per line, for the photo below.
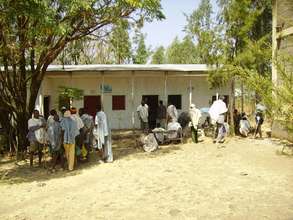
190 92
165 88
102 91
132 100
242 97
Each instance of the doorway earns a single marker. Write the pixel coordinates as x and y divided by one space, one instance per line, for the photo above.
152 102
91 104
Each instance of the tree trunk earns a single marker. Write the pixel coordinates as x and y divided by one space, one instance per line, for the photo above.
21 133
242 97
232 105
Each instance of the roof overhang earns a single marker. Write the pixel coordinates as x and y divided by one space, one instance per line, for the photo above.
131 67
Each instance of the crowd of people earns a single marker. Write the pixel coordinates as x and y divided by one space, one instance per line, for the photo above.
243 127
169 119
70 135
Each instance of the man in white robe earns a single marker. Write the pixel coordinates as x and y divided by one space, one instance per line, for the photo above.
102 134
36 136
195 115
143 115
217 113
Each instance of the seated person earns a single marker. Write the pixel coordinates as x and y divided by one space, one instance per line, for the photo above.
173 126
244 125
223 132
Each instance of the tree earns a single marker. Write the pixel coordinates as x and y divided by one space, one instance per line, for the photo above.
188 51
173 51
200 27
32 35
183 52
68 94
120 42
240 48
142 53
103 52
77 52
159 56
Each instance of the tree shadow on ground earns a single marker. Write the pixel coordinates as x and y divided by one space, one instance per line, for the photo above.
124 148
287 147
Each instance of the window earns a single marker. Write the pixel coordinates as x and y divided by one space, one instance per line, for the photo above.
175 100
118 102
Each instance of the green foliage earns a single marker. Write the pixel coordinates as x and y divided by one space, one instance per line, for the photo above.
77 52
245 45
70 92
159 56
283 91
142 53
120 42
34 32
173 52
181 52
67 95
201 29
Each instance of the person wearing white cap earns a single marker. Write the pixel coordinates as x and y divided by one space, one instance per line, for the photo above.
195 115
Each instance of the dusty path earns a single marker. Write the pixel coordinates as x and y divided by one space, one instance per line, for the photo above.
244 179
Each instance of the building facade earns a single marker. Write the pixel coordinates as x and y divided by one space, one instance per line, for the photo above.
120 89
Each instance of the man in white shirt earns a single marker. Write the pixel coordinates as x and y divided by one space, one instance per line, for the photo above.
36 134
143 115
102 134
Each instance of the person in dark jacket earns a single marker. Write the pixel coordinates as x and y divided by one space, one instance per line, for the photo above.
259 121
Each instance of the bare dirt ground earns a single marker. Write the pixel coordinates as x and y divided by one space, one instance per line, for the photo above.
240 179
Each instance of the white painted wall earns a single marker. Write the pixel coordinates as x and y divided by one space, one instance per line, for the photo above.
144 84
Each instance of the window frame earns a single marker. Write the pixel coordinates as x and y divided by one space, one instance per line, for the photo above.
120 108
175 104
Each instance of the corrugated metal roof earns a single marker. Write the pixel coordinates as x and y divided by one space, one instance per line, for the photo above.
130 67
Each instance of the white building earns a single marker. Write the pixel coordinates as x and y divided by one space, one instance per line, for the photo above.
125 86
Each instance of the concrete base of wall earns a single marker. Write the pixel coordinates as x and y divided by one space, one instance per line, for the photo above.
280 131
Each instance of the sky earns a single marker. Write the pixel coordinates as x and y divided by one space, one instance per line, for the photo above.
163 32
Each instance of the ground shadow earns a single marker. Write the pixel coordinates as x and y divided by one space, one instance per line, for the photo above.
286 147
124 145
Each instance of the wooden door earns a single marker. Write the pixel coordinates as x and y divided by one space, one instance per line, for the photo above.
152 102
91 104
